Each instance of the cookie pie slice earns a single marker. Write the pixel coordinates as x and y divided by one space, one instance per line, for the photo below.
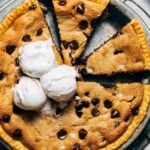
22 26
76 20
128 51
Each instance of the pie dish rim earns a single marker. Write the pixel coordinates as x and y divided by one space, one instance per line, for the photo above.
145 103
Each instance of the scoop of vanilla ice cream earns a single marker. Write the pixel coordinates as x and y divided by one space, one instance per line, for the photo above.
37 58
60 83
28 94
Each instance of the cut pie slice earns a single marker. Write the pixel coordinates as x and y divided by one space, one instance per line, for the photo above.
128 51
76 20
23 25
101 117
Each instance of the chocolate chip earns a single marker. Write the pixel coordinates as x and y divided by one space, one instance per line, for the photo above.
39 32
94 23
58 111
26 38
62 2
17 61
95 112
95 101
118 51
83 72
103 139
33 7
135 111
6 118
82 133
79 106
74 45
62 134
127 119
76 146
83 24
65 44
79 113
116 124
115 113
87 94
2 75
85 104
80 9
17 134
10 49
108 104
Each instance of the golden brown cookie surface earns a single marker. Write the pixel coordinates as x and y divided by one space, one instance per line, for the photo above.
76 20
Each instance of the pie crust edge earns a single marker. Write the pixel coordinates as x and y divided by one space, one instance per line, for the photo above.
142 38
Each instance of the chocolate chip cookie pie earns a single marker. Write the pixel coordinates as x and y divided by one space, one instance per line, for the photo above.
76 20
128 51
78 115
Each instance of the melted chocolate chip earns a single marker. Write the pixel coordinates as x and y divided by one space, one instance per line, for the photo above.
95 112
79 113
82 133
33 7
85 104
80 9
74 45
58 111
2 75
95 101
135 111
17 61
10 49
79 106
76 147
94 23
87 94
62 2
62 134
83 24
17 134
118 51
65 44
6 118
26 38
39 32
108 104
115 113
116 124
